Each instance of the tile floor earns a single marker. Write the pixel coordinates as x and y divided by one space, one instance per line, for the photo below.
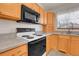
56 53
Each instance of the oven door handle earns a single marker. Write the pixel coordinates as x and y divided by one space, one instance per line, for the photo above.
37 41
33 42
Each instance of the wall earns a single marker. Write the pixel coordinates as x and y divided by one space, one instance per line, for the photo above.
27 25
7 26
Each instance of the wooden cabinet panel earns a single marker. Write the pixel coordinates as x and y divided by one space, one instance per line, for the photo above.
45 18
51 43
49 28
50 22
21 50
36 7
18 51
48 44
50 18
63 43
30 5
10 10
41 15
54 42
75 45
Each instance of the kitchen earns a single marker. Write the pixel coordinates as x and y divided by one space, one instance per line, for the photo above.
39 29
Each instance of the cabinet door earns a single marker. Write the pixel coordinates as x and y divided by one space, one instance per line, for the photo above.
41 16
75 45
18 51
45 18
10 10
51 18
49 28
30 5
36 7
54 42
63 43
48 44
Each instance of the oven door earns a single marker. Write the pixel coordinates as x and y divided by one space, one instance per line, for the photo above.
37 47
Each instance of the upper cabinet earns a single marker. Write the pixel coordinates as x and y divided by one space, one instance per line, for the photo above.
43 16
49 18
33 6
30 5
10 11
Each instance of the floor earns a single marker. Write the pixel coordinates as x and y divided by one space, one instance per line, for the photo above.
56 53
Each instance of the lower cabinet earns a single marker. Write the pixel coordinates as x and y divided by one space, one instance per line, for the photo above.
51 43
54 42
48 44
68 44
75 46
63 43
18 51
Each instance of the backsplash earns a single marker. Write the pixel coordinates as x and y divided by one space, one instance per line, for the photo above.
7 26
29 25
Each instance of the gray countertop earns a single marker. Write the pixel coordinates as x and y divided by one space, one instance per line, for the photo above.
66 33
9 41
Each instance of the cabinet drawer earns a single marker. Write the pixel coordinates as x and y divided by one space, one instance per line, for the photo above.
18 51
10 11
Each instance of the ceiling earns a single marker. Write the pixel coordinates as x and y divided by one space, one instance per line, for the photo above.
60 8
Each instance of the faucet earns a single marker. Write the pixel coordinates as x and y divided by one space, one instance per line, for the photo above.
70 28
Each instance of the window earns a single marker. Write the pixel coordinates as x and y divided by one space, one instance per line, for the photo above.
68 20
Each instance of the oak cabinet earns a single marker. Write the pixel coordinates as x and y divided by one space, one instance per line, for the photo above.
45 18
50 19
48 28
18 51
48 44
74 46
50 22
63 43
36 7
41 20
54 41
10 11
51 43
32 6
29 5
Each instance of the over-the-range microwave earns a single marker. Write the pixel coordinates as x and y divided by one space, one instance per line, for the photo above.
28 15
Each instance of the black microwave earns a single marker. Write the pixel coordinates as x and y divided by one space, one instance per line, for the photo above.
28 15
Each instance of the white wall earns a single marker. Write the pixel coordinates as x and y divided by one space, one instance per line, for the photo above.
7 26
27 25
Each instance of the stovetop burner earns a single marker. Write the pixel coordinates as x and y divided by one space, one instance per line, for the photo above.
28 36
25 36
